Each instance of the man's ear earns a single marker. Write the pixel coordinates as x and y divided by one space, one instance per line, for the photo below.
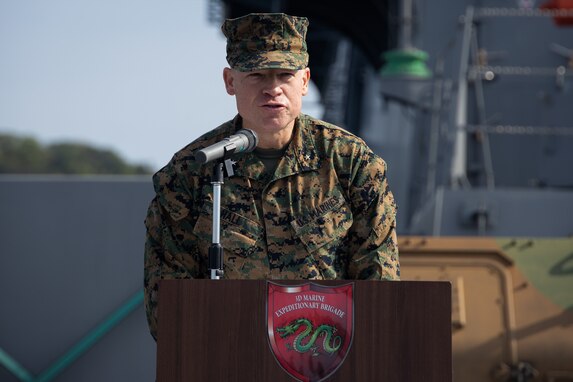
306 80
229 81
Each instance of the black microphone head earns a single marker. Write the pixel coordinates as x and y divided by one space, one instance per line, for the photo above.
243 141
200 156
253 139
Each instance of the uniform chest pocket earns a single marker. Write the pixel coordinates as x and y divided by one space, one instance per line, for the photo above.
238 233
328 223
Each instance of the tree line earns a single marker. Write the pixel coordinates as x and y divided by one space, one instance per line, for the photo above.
25 155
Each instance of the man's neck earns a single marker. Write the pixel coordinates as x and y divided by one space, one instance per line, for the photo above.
275 140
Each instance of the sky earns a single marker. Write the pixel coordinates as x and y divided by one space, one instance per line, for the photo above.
140 77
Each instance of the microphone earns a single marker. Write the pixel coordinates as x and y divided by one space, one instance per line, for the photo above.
243 141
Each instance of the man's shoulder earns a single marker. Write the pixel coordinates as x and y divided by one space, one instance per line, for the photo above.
331 136
312 122
183 161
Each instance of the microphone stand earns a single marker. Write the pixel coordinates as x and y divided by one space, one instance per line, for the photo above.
223 167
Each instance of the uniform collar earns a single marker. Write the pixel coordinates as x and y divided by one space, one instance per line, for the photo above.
300 156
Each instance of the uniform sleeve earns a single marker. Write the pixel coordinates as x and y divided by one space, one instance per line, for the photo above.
166 258
372 238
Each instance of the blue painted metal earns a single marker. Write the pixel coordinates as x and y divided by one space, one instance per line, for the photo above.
14 367
78 349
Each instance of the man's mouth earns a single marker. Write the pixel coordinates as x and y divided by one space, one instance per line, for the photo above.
273 105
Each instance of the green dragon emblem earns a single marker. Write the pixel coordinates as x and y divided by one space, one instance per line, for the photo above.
327 331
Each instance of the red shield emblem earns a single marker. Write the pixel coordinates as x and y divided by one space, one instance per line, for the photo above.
310 328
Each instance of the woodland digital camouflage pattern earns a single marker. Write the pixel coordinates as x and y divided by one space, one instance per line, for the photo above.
266 41
325 213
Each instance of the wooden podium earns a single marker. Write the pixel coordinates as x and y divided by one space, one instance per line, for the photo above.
216 330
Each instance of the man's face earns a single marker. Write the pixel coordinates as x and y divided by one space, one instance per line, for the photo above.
268 100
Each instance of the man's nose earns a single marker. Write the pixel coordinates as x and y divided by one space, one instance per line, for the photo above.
272 86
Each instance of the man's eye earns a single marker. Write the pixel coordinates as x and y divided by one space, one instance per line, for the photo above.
287 75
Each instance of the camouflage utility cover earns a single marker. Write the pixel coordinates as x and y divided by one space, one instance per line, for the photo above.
266 41
326 213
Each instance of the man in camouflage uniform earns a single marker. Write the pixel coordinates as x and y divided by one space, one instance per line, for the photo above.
311 202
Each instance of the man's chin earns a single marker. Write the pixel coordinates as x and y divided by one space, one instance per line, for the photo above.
276 124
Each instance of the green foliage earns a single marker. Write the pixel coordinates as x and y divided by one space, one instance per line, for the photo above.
24 155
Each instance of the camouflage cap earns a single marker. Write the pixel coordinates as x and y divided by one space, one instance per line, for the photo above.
266 41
